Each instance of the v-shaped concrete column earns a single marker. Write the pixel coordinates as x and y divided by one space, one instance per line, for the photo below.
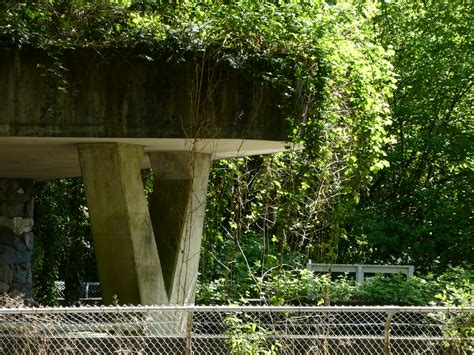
127 257
141 262
177 209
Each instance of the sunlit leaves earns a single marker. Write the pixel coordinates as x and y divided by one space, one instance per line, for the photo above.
417 211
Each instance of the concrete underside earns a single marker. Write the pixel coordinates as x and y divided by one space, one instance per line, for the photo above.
109 97
53 157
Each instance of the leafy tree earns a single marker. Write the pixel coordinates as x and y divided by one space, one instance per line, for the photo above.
419 210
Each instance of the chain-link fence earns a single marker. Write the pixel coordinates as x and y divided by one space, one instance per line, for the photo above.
236 330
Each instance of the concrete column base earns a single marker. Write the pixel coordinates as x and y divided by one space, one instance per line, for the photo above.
127 257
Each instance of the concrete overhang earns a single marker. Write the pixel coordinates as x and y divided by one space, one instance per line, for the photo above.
49 158
189 106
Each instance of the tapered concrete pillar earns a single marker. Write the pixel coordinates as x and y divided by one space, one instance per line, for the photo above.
177 210
127 256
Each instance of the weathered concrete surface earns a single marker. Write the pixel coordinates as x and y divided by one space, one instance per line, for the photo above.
143 260
127 257
159 105
177 209
110 96
16 238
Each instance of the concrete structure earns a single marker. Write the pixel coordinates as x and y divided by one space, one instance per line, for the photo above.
127 256
361 269
121 114
160 106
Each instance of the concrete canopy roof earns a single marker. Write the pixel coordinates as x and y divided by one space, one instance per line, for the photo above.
50 158
159 105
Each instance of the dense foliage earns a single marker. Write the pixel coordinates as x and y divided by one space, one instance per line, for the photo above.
419 210
63 242
386 174
300 287
263 212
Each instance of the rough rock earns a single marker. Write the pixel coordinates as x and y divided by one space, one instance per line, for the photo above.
16 238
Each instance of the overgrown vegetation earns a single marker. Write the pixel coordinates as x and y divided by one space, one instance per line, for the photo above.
63 244
301 287
286 209
419 209
386 176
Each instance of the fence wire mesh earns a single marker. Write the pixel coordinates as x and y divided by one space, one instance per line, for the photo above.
236 330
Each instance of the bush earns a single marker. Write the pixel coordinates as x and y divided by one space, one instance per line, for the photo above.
301 287
396 290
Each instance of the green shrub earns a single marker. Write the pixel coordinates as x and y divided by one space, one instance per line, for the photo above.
301 287
396 290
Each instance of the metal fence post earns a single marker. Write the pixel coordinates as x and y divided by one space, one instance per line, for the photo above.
189 333
386 347
360 274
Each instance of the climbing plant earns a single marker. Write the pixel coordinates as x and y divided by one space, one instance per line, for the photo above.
266 212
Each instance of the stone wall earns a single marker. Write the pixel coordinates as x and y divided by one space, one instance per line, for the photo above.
16 237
